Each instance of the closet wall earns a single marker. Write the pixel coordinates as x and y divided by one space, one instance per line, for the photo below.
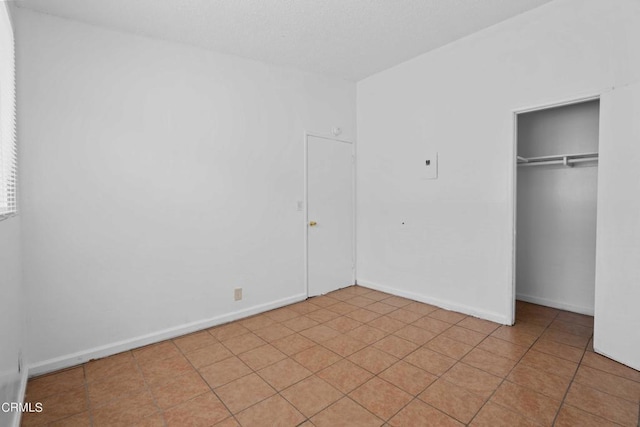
556 211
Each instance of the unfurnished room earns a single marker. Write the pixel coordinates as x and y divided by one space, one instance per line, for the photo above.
319 213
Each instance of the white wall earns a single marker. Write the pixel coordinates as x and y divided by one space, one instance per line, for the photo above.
12 307
157 178
556 209
455 248
12 316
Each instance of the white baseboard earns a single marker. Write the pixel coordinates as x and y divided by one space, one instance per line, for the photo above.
13 386
80 357
555 304
447 305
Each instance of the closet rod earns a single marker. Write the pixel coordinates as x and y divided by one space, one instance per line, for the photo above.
566 160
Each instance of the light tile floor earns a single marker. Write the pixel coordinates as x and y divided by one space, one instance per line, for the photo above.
354 357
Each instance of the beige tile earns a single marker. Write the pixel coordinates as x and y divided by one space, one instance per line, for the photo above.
431 324
323 315
344 345
492 415
572 417
380 397
549 363
155 420
58 382
373 360
179 390
125 411
345 375
514 336
293 344
572 328
311 395
273 332
320 333
300 323
342 307
605 364
418 413
79 420
254 323
208 355
284 373
420 308
274 411
405 315
387 324
194 341
580 319
205 410
557 349
323 301
360 301
381 308
397 301
244 392
228 331
121 364
565 338
104 391
58 406
478 325
489 362
162 350
225 371
261 357
415 334
409 378
528 328
346 413
281 314
363 315
430 361
602 404
395 346
240 344
316 358
464 335
447 316
473 379
158 370
367 333
304 307
448 347
609 383
452 400
527 402
343 324
502 348
551 385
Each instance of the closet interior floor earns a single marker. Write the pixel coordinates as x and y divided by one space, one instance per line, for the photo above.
353 357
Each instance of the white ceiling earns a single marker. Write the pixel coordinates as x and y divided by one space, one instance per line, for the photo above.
350 39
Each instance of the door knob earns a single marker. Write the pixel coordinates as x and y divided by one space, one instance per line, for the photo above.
312 224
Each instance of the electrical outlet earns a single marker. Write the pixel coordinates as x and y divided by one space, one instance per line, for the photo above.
237 294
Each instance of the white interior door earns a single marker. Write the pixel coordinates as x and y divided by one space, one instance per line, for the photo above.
617 315
330 224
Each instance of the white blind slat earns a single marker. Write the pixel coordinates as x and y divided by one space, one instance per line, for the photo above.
8 145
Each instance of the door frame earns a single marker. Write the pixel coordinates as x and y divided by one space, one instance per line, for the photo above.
308 134
513 183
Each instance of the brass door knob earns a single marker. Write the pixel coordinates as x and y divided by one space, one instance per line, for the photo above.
312 224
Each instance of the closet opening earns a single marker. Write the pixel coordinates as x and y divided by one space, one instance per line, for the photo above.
556 209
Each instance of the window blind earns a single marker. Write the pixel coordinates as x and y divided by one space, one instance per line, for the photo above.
8 146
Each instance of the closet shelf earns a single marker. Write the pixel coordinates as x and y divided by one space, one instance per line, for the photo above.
560 159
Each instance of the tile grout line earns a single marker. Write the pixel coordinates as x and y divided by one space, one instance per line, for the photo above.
509 373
